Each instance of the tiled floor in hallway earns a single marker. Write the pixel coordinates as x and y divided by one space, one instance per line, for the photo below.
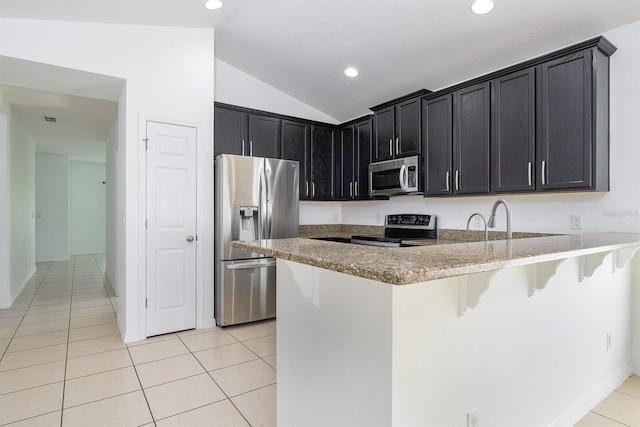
63 362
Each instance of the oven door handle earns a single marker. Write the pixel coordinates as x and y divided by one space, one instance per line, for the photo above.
404 178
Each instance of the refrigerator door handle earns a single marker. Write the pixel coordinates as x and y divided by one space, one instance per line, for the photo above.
250 265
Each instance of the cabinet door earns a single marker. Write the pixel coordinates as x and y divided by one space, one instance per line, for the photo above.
230 131
322 163
362 136
384 123
294 145
437 131
513 132
565 150
264 136
407 142
347 161
471 139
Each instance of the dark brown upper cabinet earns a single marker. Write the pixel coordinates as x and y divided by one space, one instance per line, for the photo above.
573 109
513 136
437 137
354 158
244 133
295 144
323 164
397 128
471 112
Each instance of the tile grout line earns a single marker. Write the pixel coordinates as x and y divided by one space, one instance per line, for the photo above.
214 380
66 359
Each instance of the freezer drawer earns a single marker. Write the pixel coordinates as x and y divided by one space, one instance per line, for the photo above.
245 291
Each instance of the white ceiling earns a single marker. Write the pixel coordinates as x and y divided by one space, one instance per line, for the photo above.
302 46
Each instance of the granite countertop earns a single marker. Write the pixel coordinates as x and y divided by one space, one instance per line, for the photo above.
401 266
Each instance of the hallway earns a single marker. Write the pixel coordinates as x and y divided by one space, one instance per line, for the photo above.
64 363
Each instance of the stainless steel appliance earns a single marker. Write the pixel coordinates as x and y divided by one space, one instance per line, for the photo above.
394 177
401 227
255 198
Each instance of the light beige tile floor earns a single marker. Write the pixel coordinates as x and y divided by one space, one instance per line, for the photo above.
63 362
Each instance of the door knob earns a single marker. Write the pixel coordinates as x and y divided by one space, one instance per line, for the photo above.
189 238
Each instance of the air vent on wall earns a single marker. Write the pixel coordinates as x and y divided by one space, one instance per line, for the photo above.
49 119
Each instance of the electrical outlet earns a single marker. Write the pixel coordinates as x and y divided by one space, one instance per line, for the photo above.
608 341
478 221
473 418
576 222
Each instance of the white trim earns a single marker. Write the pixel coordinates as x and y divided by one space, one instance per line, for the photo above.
574 414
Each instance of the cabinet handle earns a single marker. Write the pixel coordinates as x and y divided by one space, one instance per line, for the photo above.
351 189
544 172
243 147
251 148
457 180
356 188
446 178
397 145
391 147
529 172
307 190
313 189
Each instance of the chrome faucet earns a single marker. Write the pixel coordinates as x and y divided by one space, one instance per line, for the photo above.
486 233
492 218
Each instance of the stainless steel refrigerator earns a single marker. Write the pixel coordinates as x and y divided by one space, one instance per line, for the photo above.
255 198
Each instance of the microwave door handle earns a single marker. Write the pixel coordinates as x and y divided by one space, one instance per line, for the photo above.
404 178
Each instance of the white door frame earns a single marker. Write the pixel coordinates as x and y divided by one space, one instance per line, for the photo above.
142 266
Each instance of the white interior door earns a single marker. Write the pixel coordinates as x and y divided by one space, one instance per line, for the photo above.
171 228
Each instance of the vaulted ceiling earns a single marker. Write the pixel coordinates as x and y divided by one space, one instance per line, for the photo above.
301 47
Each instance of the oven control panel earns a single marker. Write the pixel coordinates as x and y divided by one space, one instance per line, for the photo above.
422 221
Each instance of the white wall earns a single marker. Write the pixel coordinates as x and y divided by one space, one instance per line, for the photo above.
111 223
236 87
169 74
22 250
52 207
5 289
87 207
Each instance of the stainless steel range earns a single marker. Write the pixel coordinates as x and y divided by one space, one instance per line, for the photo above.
401 227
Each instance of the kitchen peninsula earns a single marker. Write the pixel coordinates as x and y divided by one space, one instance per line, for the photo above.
517 332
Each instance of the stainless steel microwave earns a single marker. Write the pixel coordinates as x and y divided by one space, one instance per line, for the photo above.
393 177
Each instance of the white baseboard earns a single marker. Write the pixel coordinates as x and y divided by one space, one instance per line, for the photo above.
110 283
592 398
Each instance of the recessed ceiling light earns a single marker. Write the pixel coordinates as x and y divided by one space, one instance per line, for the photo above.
213 4
351 72
480 7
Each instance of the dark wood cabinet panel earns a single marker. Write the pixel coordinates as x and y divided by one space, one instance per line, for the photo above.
397 130
513 132
229 131
295 145
347 164
362 137
437 136
354 158
407 142
264 136
566 139
471 139
322 163
384 123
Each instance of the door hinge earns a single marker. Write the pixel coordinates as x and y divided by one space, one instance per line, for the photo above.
145 303
196 237
146 223
146 143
